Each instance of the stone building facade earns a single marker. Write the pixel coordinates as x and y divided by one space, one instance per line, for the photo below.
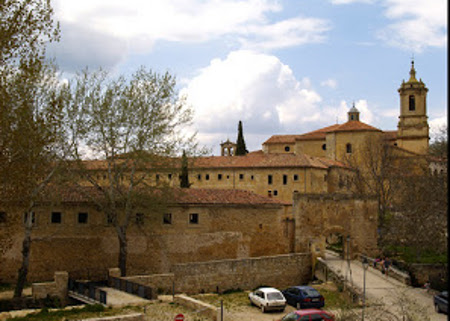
201 225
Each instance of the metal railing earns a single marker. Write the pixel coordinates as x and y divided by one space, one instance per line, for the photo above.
88 290
131 287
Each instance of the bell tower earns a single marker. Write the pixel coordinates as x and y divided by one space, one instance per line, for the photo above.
413 129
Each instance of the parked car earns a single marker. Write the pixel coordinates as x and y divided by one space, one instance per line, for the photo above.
267 299
308 315
303 297
441 302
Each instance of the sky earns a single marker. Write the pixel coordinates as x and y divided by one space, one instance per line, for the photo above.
279 66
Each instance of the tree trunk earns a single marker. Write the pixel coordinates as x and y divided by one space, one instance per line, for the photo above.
123 250
26 248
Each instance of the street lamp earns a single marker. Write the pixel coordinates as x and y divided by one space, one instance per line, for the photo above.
365 264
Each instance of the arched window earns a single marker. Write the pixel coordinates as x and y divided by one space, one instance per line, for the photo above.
349 148
412 103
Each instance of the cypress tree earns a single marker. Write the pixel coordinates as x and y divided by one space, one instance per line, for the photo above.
240 144
184 178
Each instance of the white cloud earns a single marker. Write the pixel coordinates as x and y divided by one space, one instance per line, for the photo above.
143 22
136 25
286 33
437 125
257 89
417 24
331 83
350 1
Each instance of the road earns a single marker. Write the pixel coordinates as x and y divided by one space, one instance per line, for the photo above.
383 291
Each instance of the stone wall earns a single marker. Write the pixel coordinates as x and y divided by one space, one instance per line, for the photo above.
320 215
160 283
88 250
279 271
436 274
57 288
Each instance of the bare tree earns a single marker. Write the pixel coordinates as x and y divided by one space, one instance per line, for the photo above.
378 170
131 125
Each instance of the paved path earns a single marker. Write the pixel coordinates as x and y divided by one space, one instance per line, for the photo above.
385 290
116 298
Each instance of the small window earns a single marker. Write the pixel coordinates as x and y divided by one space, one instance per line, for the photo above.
412 103
269 179
295 177
167 218
82 218
199 177
241 176
219 177
193 218
349 148
169 176
252 177
287 149
109 219
275 193
228 176
324 146
2 217
207 177
285 179
139 219
157 177
56 218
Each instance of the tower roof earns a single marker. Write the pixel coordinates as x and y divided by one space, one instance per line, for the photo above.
412 73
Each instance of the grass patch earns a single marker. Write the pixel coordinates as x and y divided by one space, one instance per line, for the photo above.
334 299
89 311
231 300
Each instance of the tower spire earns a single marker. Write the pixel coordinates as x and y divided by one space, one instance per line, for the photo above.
412 72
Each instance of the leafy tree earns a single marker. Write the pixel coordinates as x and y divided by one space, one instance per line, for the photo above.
131 125
184 179
30 119
439 146
240 143
26 26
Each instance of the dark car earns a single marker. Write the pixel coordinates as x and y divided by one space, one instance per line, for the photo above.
308 315
440 302
303 297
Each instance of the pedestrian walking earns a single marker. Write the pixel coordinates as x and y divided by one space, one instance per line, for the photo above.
387 265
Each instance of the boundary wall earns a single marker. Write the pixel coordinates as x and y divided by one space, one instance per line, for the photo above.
217 276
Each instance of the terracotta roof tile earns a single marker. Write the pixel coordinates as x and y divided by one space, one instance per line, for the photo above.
390 135
251 160
77 194
260 160
353 126
318 134
281 139
223 196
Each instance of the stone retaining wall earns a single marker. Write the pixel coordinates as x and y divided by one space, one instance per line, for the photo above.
57 288
202 308
217 276
128 317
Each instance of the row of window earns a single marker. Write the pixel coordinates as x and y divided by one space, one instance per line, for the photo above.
83 218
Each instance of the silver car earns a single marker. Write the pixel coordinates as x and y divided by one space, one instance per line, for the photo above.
267 299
